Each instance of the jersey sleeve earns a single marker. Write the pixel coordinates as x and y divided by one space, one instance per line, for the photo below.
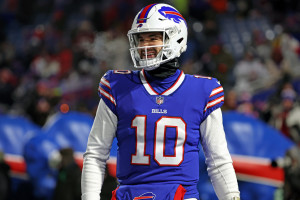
105 91
215 96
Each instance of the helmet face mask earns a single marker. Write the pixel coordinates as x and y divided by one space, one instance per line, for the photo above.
139 53
158 18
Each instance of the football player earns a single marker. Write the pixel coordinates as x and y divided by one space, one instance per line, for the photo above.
159 116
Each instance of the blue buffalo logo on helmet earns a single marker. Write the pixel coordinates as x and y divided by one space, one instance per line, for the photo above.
146 196
171 13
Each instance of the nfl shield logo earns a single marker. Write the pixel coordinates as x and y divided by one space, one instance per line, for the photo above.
159 100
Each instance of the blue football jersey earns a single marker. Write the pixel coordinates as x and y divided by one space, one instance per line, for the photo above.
158 132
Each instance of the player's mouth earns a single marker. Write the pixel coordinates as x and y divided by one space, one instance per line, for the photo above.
151 53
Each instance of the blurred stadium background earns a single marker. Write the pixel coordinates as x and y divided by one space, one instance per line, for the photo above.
54 52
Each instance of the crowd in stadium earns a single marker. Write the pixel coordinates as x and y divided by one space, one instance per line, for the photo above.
53 54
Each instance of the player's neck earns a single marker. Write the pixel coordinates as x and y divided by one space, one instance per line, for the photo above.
165 70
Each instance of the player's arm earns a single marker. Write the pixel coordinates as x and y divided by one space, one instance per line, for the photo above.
218 159
97 153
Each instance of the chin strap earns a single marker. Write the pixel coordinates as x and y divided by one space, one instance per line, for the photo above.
165 70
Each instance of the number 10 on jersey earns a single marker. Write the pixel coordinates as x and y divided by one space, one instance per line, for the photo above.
139 123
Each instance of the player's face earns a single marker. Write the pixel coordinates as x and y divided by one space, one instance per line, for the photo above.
150 39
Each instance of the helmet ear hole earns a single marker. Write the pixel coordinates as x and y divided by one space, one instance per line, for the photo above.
180 40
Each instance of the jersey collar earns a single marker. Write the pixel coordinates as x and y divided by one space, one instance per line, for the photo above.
167 92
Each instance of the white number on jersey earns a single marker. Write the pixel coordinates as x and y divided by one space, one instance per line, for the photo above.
161 125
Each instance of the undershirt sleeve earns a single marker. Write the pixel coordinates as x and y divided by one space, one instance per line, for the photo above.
97 152
218 159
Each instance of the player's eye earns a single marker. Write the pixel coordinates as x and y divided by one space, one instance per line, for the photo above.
140 40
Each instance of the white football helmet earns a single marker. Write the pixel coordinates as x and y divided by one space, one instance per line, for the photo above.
158 18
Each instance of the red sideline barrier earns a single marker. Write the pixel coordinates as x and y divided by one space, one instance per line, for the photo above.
250 169
257 170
